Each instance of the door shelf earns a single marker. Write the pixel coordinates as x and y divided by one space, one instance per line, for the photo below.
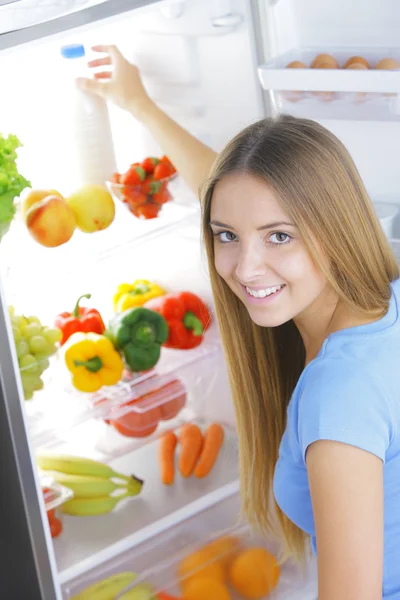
87 542
156 559
331 93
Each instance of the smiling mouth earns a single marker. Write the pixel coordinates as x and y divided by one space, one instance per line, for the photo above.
263 293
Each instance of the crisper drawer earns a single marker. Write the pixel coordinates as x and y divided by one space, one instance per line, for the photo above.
208 546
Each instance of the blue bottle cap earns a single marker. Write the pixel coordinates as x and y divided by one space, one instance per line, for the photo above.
73 51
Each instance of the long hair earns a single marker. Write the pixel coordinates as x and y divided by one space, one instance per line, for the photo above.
318 185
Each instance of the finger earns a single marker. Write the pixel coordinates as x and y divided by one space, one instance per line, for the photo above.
103 75
107 49
90 85
100 62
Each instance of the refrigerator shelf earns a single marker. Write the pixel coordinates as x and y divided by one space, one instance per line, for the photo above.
136 409
331 93
89 541
156 559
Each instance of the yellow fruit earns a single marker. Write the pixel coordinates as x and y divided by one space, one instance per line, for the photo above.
254 573
223 549
206 589
33 197
199 565
93 207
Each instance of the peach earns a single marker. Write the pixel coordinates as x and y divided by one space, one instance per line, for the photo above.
51 222
34 196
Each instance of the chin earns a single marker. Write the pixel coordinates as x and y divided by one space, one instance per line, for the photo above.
267 320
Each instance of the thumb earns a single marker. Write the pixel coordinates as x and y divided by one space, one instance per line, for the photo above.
90 85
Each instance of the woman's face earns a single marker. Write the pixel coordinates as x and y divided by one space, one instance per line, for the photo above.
259 254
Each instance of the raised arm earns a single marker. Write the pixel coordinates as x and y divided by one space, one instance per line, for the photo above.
123 86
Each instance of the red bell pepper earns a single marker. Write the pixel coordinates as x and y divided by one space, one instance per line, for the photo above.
86 320
187 317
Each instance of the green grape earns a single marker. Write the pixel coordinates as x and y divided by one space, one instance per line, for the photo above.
37 343
51 349
11 311
31 383
16 321
17 334
52 335
34 319
23 322
42 361
22 348
31 329
28 395
28 363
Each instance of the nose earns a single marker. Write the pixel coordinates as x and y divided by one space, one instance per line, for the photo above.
252 263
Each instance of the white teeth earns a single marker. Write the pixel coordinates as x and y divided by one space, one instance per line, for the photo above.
263 293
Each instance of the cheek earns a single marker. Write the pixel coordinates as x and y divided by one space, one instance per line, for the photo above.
298 266
224 262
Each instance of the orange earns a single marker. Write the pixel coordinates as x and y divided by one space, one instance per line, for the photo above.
200 565
206 589
254 573
223 549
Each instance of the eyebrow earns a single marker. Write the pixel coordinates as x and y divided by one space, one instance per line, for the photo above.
267 226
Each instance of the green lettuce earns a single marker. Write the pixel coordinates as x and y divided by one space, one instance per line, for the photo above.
12 183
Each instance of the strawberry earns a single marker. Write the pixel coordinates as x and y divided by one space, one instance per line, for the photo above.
162 196
134 176
162 171
115 178
134 196
149 210
149 163
149 186
164 159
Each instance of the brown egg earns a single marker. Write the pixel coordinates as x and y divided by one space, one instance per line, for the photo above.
295 96
296 64
323 60
358 60
359 96
387 64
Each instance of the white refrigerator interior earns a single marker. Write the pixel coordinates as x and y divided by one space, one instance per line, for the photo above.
215 67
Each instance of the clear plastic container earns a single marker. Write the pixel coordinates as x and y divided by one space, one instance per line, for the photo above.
94 161
216 539
334 93
54 496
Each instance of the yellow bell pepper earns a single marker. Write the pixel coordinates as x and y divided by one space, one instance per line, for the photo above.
93 362
131 295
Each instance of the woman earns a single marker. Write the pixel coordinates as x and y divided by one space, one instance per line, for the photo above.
307 297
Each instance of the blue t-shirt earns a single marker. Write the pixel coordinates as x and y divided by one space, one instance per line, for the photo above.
349 393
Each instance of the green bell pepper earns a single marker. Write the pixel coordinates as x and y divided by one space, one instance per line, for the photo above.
139 333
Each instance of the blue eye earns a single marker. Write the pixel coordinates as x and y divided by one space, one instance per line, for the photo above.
281 238
225 237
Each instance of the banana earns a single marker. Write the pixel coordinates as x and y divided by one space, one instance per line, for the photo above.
85 507
143 591
86 486
76 465
106 589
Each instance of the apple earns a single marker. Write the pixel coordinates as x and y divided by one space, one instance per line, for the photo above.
35 196
93 207
51 222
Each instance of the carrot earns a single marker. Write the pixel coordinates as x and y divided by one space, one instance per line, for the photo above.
191 441
166 457
213 440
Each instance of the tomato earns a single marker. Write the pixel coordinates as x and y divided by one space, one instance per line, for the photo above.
148 211
51 515
144 422
56 528
149 163
134 176
162 171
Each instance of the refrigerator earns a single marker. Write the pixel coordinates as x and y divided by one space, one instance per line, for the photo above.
214 66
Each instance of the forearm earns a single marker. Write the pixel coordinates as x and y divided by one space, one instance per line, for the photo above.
192 158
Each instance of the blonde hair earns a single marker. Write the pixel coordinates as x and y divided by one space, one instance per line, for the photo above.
319 187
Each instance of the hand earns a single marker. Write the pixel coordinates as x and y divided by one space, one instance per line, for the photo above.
122 85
